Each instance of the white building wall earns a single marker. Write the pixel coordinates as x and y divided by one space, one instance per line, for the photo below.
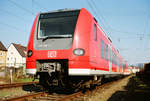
14 59
23 59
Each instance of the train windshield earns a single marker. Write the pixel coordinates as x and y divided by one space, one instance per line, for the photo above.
57 25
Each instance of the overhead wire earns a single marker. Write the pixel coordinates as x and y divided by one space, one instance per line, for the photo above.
19 6
102 18
39 5
95 12
144 32
138 36
12 27
108 29
92 8
115 30
14 15
18 17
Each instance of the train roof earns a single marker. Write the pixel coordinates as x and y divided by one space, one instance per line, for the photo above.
61 10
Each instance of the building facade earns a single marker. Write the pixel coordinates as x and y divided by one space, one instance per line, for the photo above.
16 56
3 53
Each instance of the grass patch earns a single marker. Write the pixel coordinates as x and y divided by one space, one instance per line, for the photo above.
24 79
140 83
17 80
5 94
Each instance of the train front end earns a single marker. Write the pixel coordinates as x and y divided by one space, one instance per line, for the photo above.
53 46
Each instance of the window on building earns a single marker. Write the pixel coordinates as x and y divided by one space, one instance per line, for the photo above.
1 53
95 32
106 47
102 49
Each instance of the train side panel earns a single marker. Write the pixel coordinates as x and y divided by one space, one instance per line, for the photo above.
30 62
79 65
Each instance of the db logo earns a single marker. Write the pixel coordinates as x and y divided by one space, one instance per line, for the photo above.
51 54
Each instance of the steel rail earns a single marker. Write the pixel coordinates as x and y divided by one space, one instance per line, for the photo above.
26 97
72 96
2 86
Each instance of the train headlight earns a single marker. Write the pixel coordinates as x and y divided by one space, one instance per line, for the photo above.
79 52
30 53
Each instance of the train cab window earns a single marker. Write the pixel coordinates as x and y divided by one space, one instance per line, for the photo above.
95 32
56 26
106 47
102 49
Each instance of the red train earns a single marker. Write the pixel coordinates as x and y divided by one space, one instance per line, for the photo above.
68 47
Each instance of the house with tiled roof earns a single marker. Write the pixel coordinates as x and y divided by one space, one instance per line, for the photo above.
16 56
3 52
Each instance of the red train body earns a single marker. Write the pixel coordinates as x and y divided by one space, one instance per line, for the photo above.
73 40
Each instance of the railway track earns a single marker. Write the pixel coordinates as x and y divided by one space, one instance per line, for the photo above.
46 97
4 86
43 96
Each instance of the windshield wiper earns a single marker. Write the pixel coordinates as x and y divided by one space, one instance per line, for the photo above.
52 37
49 37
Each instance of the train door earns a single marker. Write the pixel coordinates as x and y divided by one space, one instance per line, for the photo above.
110 60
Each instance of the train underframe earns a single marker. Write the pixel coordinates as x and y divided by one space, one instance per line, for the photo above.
53 75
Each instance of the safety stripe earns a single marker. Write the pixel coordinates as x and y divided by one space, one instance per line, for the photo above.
31 71
89 72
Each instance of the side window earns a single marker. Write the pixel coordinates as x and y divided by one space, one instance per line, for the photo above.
102 49
117 60
95 32
113 57
106 47
119 63
122 65
109 54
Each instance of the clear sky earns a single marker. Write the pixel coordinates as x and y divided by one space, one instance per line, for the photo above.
126 22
